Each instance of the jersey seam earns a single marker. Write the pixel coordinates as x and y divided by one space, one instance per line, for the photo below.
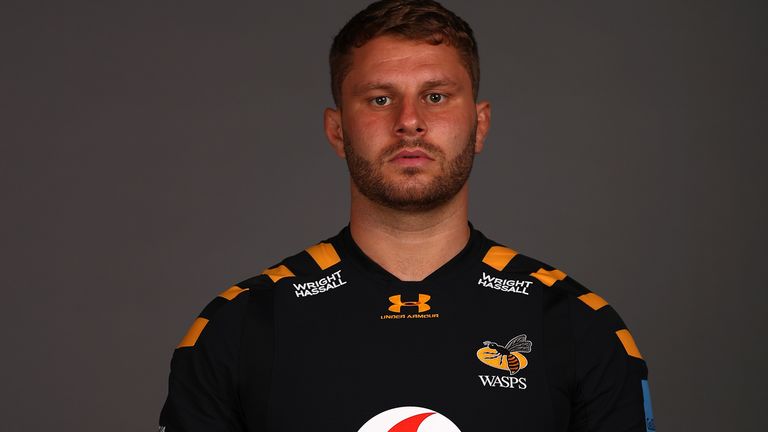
275 349
238 377
573 378
594 322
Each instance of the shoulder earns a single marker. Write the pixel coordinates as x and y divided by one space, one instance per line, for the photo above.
220 319
582 311
223 316
590 349
314 259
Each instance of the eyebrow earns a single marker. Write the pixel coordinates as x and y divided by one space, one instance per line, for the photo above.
378 85
439 83
363 88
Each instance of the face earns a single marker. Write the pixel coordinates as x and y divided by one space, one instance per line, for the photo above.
408 125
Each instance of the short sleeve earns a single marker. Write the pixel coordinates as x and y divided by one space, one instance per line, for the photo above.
202 389
611 392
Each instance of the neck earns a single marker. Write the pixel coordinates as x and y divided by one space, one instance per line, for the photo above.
410 245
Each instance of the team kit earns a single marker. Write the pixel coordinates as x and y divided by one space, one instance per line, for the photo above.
327 340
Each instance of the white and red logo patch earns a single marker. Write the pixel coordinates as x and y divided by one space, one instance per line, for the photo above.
409 419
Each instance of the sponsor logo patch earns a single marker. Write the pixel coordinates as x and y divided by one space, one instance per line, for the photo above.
508 358
409 309
507 285
409 419
319 286
650 425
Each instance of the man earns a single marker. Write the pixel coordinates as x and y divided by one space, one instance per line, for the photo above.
409 319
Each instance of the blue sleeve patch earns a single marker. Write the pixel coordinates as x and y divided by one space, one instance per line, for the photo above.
650 426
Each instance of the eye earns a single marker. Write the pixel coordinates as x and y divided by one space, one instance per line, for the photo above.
435 98
381 100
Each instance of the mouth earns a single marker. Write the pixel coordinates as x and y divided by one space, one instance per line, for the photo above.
407 156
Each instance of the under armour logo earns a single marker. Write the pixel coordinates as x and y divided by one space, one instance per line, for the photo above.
397 303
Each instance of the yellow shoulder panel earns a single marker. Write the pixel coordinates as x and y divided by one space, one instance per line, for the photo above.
324 255
499 256
629 343
593 300
232 292
549 277
277 273
193 333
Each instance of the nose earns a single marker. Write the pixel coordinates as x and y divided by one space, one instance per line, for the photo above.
410 121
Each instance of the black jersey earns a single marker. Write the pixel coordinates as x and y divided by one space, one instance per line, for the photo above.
327 340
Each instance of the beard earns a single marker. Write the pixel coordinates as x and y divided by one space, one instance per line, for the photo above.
410 194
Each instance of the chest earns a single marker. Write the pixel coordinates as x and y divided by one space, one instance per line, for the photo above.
351 351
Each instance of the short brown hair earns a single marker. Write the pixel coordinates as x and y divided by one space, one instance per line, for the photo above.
424 20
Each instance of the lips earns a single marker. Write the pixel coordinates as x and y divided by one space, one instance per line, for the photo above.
409 157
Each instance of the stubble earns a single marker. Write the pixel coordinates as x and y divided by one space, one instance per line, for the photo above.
409 194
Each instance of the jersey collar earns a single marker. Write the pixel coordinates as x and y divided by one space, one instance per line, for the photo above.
468 255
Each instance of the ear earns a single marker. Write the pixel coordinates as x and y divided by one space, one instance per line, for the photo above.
483 124
333 130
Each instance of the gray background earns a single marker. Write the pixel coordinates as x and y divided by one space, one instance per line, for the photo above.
153 153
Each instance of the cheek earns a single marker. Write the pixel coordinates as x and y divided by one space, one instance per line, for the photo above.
457 114
367 133
363 124
455 126
373 126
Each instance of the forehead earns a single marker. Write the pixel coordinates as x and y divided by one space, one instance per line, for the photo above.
392 59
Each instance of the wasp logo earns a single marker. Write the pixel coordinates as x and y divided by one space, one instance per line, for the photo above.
507 357
398 303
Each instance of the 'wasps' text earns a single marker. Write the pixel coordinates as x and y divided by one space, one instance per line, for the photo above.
319 286
509 382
